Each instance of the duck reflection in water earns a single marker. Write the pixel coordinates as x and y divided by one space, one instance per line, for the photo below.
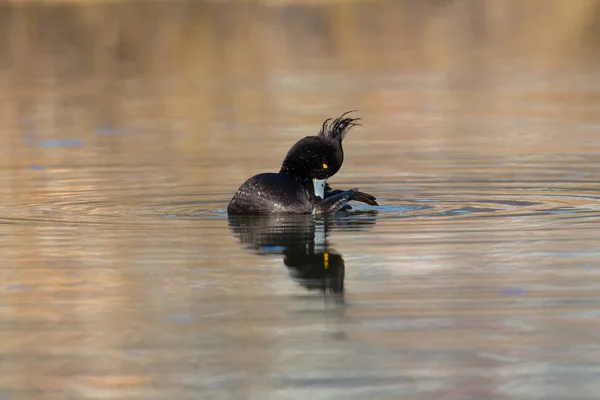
302 240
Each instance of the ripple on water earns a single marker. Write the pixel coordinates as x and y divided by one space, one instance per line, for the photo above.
426 201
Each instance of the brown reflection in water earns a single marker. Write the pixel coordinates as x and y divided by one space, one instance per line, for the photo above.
203 69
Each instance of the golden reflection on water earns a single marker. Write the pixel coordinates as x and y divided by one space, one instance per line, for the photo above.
127 127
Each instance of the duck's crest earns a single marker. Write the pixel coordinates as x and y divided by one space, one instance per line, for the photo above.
339 127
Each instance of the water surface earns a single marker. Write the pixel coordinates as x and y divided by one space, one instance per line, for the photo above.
125 132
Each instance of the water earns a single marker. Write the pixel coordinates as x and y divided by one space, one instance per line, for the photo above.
125 132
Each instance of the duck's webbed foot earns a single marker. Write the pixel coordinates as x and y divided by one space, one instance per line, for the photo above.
337 200
364 198
356 196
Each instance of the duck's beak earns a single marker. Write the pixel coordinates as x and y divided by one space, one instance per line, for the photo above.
319 185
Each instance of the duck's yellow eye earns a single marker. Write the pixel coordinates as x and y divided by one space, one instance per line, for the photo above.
325 166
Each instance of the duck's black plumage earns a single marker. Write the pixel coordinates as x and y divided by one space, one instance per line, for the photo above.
272 193
299 187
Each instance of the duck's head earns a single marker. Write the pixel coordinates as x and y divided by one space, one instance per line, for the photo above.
319 157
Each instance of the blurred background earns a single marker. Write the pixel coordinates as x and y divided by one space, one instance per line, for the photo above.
202 79
126 126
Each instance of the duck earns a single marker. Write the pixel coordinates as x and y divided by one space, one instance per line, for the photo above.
300 186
